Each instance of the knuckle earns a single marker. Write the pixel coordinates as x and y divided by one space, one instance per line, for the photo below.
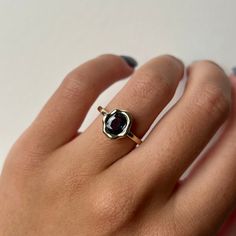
209 64
214 101
149 84
73 86
142 88
110 205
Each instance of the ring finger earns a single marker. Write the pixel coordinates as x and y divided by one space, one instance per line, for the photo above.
181 135
144 96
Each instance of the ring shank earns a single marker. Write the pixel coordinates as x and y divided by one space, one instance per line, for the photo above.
134 138
102 110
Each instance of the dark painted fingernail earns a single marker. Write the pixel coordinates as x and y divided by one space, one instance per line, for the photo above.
130 61
234 70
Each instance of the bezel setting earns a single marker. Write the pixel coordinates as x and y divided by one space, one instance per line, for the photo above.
124 131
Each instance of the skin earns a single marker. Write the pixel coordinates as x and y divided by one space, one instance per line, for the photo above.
58 182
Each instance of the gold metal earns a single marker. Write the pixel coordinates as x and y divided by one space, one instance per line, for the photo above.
102 111
134 138
124 133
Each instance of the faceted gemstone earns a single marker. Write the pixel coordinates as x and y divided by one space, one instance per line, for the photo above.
115 123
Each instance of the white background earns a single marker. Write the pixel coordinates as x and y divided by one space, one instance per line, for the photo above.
40 41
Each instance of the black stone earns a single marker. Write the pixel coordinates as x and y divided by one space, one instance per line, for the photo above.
115 123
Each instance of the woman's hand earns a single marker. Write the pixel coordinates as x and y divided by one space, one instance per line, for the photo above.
56 182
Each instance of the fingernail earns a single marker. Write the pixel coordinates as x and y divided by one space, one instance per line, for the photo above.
130 61
234 70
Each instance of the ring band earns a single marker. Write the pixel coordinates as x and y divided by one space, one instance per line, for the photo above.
117 124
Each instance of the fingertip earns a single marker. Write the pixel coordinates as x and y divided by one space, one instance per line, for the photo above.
233 78
130 61
205 65
124 65
176 59
234 71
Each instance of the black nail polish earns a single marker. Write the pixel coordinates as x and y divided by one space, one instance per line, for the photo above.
234 70
130 61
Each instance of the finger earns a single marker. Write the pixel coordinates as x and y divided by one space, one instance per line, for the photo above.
61 117
181 135
209 193
229 226
144 96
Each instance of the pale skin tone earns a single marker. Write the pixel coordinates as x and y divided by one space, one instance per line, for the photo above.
58 182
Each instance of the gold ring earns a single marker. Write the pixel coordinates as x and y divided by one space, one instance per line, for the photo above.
117 124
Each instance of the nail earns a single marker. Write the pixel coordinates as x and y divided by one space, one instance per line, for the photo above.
234 70
130 61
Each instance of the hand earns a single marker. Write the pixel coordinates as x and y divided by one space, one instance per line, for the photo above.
58 182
